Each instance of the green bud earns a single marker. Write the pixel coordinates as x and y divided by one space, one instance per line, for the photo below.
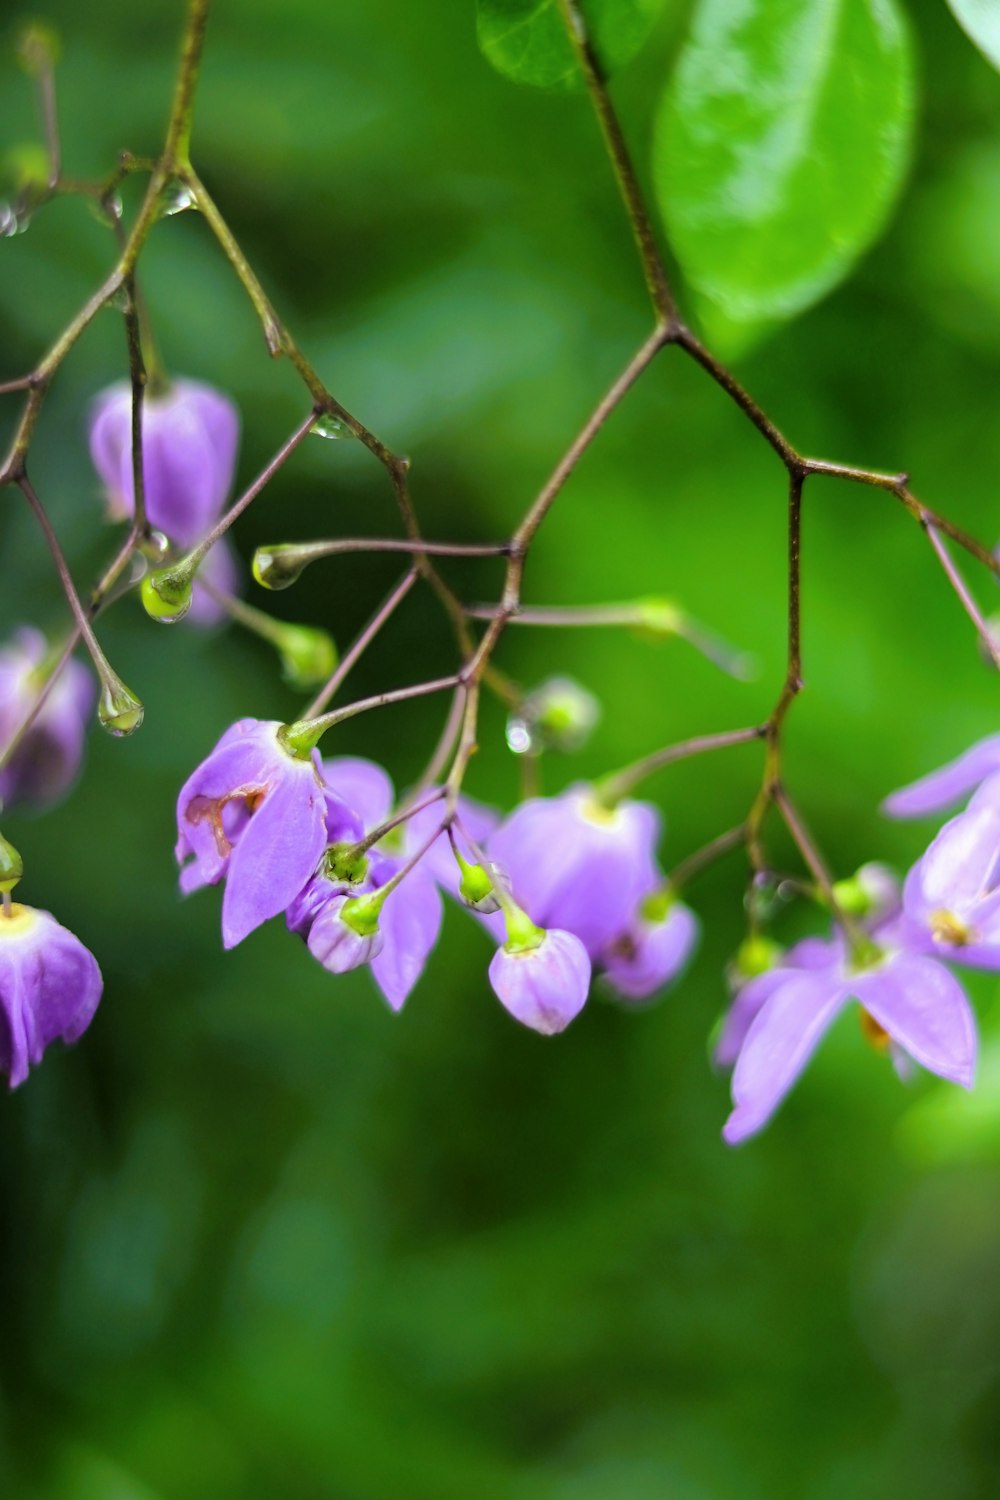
279 566
476 883
559 714
37 48
361 913
166 594
119 710
11 867
756 955
27 167
300 739
308 655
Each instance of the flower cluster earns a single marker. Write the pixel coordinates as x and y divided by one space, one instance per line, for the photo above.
892 962
563 885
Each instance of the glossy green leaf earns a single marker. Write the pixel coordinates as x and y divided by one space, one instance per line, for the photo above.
527 41
980 20
780 146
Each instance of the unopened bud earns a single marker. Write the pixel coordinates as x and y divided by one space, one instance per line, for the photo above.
873 891
11 867
308 655
166 594
755 955
37 48
118 709
279 566
478 885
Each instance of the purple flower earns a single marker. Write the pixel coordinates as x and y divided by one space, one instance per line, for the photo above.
48 758
578 866
951 898
256 815
190 435
909 999
543 986
940 788
652 950
49 987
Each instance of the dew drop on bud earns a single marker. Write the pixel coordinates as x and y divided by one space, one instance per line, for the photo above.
166 595
119 710
177 198
155 546
329 426
277 567
11 867
13 220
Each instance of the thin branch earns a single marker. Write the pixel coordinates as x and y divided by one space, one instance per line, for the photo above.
385 610
986 635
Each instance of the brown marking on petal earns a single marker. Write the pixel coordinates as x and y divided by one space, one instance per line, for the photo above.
625 947
200 808
947 928
875 1035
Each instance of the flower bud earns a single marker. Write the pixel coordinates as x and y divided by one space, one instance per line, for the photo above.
543 985
308 655
11 867
279 566
166 594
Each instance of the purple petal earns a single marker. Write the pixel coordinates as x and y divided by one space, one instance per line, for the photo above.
545 987
275 856
959 867
335 945
779 1043
941 788
924 1009
410 924
577 867
363 785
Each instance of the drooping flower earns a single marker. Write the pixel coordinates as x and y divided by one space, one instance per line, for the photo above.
577 865
653 948
543 984
255 814
941 788
49 988
907 998
190 437
45 763
951 897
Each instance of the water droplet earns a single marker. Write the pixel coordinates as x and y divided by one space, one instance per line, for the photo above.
156 546
119 710
278 567
13 220
557 715
519 736
120 300
328 426
177 198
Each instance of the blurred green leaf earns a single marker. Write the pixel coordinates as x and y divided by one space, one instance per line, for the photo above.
781 144
980 20
526 40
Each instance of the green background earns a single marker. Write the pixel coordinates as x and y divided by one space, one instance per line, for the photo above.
261 1238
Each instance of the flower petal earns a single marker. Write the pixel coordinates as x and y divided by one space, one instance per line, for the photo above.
410 924
923 1008
939 789
779 1043
276 854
